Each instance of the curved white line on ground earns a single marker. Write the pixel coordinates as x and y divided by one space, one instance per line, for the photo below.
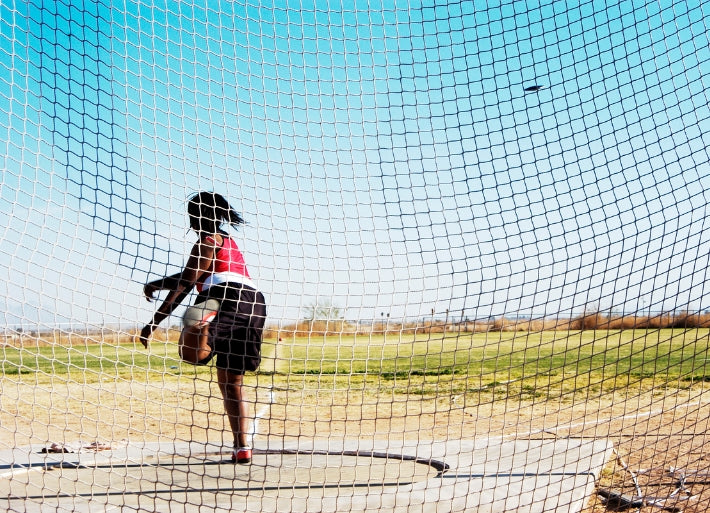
601 421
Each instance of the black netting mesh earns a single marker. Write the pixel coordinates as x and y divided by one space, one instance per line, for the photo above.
480 229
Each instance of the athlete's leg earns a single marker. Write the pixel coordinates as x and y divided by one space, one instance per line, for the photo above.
234 405
194 344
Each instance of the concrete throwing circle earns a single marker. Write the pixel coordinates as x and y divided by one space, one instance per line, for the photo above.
482 475
276 480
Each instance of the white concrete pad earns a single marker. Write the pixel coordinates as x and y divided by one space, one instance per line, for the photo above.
482 476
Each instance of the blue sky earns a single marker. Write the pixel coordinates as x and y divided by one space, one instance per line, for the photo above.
386 156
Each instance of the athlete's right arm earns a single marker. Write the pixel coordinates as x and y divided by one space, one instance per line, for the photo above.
199 262
168 282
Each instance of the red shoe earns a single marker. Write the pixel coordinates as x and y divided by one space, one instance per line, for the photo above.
241 455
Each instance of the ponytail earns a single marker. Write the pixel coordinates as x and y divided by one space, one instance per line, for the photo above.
229 215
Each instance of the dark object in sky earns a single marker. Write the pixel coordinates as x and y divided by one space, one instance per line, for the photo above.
534 88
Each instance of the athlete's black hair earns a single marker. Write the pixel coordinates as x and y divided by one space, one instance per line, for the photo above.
208 210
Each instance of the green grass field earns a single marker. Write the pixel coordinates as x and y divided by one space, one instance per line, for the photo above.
548 365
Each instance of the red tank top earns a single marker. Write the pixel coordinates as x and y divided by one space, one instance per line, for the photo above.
228 259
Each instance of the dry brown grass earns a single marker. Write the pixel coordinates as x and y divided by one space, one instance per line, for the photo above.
666 320
587 321
82 338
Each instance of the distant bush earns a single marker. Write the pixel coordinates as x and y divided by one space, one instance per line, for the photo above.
665 320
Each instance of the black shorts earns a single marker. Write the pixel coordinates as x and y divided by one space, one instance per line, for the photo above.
236 332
